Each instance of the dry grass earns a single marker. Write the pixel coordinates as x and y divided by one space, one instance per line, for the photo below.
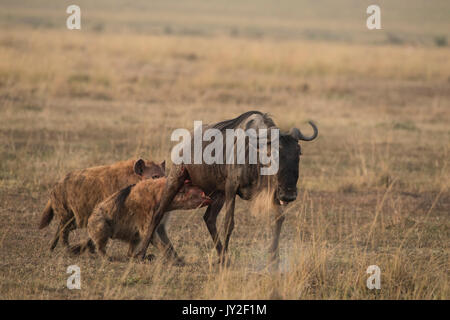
374 187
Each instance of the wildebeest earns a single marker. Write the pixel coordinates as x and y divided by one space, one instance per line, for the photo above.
222 182
75 196
126 214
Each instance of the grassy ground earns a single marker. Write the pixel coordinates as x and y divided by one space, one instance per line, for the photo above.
374 187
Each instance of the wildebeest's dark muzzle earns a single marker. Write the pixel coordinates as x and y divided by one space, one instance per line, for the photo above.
286 195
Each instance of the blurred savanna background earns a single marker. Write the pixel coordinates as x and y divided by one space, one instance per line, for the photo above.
373 188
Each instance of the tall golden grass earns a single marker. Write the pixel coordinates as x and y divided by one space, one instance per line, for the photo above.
373 188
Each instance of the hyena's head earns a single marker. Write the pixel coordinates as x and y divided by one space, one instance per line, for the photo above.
190 197
149 169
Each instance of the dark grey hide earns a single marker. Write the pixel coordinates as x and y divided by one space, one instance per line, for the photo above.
222 182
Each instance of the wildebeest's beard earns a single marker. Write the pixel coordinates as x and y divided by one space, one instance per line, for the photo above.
287 177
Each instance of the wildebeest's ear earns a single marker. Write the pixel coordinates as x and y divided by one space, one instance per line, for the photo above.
163 166
139 167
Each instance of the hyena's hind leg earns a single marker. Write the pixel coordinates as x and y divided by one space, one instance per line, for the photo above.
55 238
66 228
99 231
132 248
63 230
133 244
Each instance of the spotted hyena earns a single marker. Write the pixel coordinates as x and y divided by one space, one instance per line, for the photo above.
74 197
125 215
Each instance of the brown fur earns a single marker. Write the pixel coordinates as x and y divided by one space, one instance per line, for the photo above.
74 197
125 215
223 182
47 215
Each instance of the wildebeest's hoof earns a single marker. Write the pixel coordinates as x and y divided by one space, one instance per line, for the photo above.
224 262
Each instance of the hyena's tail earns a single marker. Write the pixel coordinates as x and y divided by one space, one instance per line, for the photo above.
47 215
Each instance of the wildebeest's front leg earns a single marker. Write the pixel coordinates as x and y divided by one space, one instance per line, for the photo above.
274 249
165 244
175 181
230 198
210 218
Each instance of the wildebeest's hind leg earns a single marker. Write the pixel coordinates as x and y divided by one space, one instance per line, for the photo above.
210 219
274 249
175 181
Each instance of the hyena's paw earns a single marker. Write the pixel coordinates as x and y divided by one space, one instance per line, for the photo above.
76 249
150 257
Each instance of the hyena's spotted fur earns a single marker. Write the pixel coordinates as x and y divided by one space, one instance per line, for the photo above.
74 197
125 214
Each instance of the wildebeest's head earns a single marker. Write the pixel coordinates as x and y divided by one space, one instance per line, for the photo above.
149 170
289 158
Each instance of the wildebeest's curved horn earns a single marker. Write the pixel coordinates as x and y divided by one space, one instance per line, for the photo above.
296 134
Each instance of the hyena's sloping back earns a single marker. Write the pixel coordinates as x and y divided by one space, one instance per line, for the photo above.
119 199
79 192
76 195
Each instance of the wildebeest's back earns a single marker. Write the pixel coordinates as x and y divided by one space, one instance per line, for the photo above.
213 177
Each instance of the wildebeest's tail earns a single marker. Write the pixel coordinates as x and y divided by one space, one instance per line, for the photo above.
47 215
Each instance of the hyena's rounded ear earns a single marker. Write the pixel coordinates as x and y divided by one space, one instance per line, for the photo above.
163 166
139 167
